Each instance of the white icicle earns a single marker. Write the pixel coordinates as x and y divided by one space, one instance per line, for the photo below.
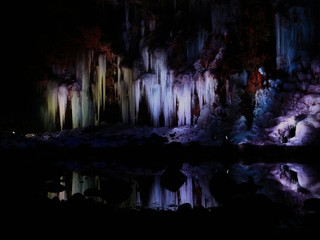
62 102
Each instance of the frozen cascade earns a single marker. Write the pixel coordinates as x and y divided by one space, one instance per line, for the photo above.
50 110
87 99
206 87
57 96
83 76
134 201
166 94
62 102
153 94
126 95
99 87
128 79
168 107
138 94
183 93
159 197
292 36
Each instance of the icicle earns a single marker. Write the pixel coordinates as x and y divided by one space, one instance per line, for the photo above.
183 93
99 88
75 106
62 102
145 57
153 96
206 88
83 76
138 94
168 99
128 79
52 105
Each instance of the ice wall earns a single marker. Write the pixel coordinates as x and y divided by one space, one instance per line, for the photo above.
143 76
86 95
166 94
295 34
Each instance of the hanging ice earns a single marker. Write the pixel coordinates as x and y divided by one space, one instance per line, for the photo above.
99 88
294 33
206 87
62 102
87 95
166 95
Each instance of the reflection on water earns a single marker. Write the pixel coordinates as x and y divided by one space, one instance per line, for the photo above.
209 184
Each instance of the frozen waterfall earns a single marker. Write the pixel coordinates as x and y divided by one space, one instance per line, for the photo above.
166 95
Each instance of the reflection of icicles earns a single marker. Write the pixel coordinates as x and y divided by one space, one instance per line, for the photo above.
135 200
62 195
161 198
62 102
80 183
186 192
76 183
170 200
155 200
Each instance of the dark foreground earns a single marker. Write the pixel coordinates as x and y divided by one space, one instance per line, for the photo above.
34 214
